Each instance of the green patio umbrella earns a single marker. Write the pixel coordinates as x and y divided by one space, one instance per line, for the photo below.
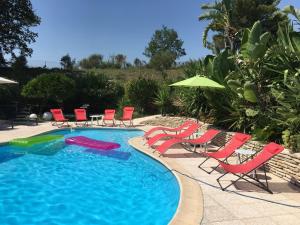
198 81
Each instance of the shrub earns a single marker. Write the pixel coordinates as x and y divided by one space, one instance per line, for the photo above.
141 93
97 91
49 88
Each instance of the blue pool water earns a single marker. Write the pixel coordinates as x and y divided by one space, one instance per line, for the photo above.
75 185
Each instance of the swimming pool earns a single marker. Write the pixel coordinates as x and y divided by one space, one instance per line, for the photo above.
76 185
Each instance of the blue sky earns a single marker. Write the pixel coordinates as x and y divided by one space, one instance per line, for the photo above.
109 27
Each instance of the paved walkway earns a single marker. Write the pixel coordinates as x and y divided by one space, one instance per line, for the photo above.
243 204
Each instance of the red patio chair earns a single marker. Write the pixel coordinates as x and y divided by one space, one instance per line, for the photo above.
242 170
109 115
237 140
127 115
80 116
58 117
186 133
202 140
180 128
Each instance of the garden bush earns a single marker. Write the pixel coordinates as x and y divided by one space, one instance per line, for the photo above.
97 91
141 93
49 89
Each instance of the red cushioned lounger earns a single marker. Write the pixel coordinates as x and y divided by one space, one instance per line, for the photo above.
80 116
185 134
169 129
202 140
109 115
242 170
58 116
237 140
127 116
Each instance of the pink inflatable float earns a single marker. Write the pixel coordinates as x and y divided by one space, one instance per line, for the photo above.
91 143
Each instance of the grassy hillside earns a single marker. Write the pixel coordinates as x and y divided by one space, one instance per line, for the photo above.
132 73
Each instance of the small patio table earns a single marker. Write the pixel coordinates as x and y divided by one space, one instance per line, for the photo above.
245 152
249 154
195 135
97 117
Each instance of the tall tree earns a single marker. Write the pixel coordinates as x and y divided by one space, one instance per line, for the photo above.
19 65
66 62
137 62
19 62
16 19
162 61
293 11
93 61
220 16
228 17
120 60
165 43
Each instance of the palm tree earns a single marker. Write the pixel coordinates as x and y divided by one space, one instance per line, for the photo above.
220 16
229 17
295 12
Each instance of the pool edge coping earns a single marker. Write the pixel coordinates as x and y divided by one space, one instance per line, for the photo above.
191 205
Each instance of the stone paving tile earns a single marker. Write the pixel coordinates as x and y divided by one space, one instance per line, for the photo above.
243 211
259 221
229 222
228 198
217 214
297 214
251 197
209 201
286 220
293 196
269 209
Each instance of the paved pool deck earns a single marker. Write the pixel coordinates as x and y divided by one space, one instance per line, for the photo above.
243 204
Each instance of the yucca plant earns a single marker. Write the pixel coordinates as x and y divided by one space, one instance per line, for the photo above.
163 99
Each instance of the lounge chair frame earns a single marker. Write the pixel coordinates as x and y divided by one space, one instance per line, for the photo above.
123 122
207 158
106 124
262 157
56 123
243 175
83 123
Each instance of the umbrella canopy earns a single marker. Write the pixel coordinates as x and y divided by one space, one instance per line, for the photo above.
7 81
198 81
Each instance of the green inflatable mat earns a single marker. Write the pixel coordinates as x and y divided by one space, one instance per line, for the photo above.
28 142
46 148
